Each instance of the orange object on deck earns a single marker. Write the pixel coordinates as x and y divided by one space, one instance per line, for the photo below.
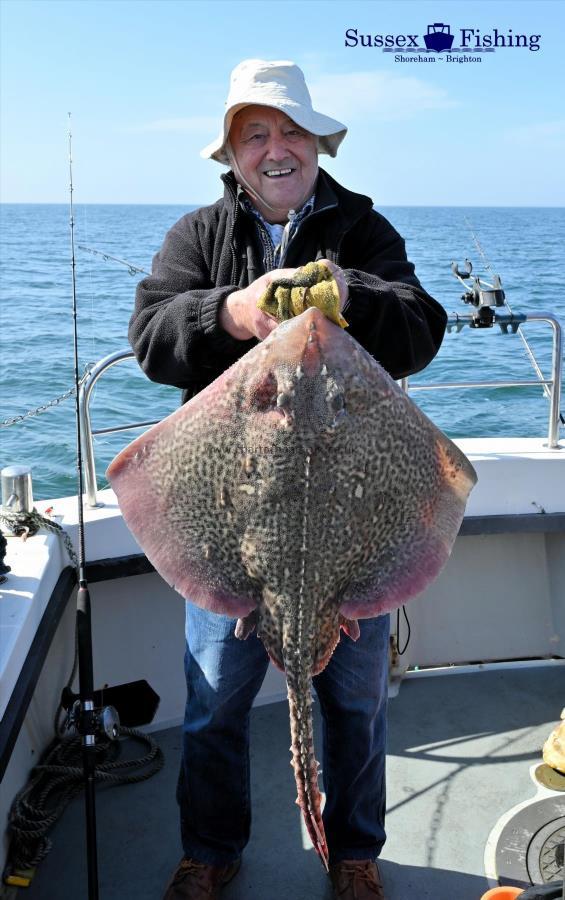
502 893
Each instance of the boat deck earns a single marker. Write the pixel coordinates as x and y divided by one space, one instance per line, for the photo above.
459 751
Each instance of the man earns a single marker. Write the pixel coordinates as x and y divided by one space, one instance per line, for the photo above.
196 315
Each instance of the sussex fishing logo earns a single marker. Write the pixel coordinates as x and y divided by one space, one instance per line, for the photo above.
437 44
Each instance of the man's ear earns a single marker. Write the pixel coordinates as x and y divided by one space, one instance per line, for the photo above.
229 151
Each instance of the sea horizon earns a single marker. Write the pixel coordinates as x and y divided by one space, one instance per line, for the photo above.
198 205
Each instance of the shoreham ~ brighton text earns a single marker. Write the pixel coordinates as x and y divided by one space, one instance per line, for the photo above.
470 38
445 57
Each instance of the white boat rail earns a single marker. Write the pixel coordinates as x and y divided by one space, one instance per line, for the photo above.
551 386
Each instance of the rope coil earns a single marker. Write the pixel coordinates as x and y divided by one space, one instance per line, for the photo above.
59 778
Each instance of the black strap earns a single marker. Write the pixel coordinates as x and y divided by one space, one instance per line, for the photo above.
552 891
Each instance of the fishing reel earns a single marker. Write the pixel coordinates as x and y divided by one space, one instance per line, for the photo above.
99 720
484 297
130 705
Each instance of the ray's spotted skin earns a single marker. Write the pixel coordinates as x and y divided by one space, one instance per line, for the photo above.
299 492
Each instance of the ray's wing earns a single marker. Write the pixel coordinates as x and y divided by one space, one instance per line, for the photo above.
174 488
419 482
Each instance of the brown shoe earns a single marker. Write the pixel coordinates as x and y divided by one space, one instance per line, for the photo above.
357 879
193 880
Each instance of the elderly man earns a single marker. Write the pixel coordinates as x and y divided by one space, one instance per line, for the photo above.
196 315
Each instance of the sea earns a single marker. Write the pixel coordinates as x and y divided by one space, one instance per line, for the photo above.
524 246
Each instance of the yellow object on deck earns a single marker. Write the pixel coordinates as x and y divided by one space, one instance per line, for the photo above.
554 747
19 877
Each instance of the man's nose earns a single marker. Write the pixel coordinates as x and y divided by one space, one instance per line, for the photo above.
277 147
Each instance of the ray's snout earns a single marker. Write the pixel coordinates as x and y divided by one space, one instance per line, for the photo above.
309 340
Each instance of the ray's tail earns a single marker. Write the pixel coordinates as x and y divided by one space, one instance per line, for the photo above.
303 761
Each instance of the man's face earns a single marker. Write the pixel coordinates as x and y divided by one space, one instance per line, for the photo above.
277 158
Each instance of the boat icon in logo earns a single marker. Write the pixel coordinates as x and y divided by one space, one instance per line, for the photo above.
439 37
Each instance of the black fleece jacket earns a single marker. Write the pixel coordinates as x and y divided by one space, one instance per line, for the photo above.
175 331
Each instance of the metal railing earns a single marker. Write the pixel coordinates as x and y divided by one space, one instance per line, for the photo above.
551 386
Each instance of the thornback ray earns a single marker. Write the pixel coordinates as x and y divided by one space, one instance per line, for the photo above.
299 492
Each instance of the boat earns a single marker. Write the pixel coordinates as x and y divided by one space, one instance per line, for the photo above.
474 692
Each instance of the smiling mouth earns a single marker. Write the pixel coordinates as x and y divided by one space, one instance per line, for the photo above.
278 173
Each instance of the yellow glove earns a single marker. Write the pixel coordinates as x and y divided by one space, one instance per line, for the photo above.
312 285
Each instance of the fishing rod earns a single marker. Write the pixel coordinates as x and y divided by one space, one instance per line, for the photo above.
497 286
85 719
132 270
81 710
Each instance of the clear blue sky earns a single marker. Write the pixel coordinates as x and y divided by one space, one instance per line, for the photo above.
146 83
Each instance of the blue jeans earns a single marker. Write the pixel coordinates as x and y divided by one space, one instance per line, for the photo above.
223 676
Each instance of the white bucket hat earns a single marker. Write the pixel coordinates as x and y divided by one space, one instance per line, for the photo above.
281 85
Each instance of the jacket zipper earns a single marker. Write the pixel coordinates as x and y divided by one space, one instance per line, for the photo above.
314 212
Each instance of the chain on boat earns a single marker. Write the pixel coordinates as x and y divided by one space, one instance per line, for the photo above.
38 410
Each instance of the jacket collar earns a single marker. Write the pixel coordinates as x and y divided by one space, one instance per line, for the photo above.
329 195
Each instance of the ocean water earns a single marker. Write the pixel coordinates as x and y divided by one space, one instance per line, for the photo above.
524 246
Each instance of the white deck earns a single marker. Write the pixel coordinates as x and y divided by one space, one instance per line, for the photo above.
459 753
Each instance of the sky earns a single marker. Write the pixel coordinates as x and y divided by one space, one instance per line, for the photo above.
146 82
